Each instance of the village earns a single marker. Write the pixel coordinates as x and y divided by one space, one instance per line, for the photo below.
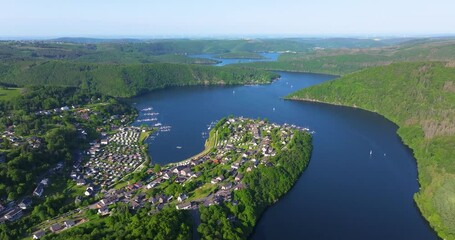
111 158
14 210
236 147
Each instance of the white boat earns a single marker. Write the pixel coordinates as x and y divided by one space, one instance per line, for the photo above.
178 147
150 114
371 152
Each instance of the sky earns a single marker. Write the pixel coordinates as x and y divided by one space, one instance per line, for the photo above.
237 18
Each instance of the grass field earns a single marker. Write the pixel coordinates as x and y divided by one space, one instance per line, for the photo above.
9 93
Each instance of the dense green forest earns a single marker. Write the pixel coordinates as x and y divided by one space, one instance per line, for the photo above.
167 224
343 61
127 80
128 67
420 99
266 186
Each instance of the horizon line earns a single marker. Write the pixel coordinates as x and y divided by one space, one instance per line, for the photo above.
225 36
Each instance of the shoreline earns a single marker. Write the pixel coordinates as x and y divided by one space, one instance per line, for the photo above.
309 100
207 147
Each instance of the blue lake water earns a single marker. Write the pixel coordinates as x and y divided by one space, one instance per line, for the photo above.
272 56
345 193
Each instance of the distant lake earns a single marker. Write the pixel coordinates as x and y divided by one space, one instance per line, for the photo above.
345 193
225 61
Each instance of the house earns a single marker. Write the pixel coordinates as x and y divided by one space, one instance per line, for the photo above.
128 194
214 181
224 194
153 200
209 202
39 234
88 191
151 185
45 182
39 190
182 197
168 175
139 197
80 182
195 162
196 174
69 223
104 141
55 227
239 186
103 211
238 177
134 205
235 166
13 215
227 186
160 206
180 180
25 203
220 178
162 198
184 206
178 169
107 201
185 172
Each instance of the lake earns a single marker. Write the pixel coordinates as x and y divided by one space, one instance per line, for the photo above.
345 193
271 56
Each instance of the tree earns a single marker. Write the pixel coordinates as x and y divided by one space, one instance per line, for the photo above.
157 168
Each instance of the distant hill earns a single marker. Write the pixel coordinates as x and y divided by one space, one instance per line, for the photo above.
93 40
146 51
420 99
126 80
342 61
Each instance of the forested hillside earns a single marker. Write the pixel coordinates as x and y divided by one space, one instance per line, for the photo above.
420 99
342 61
171 50
125 80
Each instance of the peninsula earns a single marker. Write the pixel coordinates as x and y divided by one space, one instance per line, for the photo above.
247 166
